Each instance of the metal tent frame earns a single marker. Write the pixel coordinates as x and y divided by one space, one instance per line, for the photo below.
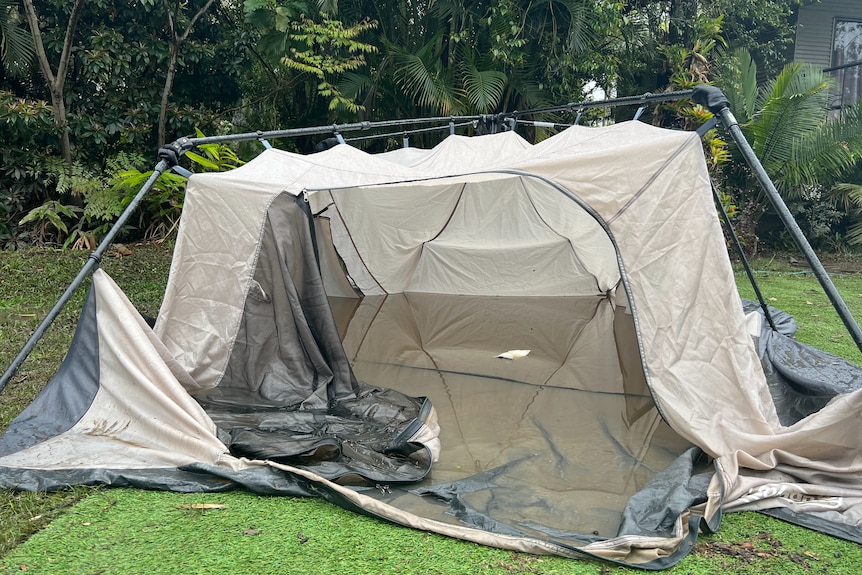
709 97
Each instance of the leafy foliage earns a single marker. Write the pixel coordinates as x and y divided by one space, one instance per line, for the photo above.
805 150
51 219
325 50
266 64
105 196
29 168
463 58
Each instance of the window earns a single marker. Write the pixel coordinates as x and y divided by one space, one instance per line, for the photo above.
847 49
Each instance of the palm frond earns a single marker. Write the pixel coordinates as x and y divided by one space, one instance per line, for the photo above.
484 88
848 197
789 107
420 74
580 34
353 84
737 78
328 6
16 44
853 194
828 152
526 93
854 234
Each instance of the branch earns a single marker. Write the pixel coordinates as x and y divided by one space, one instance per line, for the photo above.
66 56
33 22
44 64
197 16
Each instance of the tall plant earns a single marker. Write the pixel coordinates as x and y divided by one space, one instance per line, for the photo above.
16 47
176 21
805 149
452 57
303 53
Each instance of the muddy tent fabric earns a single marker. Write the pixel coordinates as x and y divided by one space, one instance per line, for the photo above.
332 323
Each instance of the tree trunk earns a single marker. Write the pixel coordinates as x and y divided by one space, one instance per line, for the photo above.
58 103
176 42
56 82
166 92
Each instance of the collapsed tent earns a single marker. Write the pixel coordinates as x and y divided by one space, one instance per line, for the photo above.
332 325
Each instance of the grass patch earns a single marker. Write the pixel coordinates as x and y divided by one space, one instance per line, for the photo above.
125 532
116 531
800 294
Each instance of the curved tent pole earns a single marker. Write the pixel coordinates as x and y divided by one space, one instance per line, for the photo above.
716 102
93 262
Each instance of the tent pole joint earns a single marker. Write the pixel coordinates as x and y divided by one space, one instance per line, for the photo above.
171 153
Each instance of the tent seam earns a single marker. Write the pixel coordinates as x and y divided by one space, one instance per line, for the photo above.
652 179
568 240
353 243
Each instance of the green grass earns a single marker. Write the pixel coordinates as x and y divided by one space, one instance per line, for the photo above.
30 283
129 531
800 294
118 531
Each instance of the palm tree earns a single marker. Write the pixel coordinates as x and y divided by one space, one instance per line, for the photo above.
473 56
805 148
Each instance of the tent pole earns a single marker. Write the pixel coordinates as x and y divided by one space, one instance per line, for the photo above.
738 245
714 99
89 267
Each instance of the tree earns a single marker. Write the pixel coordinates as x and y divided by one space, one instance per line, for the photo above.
474 57
114 80
765 28
303 53
653 31
176 38
56 81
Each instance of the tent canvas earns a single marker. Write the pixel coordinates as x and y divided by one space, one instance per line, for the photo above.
649 403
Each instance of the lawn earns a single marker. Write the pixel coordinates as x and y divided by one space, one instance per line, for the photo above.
116 531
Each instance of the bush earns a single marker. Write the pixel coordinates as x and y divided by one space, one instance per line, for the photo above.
30 164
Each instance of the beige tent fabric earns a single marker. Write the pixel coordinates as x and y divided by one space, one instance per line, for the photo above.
699 358
529 241
216 247
648 185
458 154
141 417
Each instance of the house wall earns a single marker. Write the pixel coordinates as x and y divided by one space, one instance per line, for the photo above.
815 27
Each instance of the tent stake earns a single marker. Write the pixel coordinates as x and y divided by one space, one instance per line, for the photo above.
93 261
714 99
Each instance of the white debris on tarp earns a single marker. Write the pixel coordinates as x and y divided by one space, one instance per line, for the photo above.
514 354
